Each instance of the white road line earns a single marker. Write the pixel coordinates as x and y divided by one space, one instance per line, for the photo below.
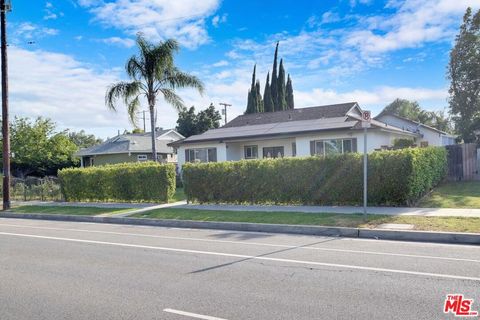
212 253
192 315
250 243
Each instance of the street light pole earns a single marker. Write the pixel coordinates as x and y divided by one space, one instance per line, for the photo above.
4 7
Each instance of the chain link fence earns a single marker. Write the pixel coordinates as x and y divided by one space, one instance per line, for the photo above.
34 188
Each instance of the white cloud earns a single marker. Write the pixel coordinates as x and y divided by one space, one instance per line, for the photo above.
124 42
28 31
414 23
219 19
375 99
221 63
50 12
158 19
59 87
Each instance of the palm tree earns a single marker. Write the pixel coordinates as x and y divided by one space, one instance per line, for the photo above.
152 73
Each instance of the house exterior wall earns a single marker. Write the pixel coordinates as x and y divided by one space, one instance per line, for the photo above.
434 138
234 151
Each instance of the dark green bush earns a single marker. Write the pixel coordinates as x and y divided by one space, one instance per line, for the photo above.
397 177
146 181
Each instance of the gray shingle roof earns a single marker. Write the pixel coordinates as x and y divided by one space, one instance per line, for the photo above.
279 128
328 111
128 143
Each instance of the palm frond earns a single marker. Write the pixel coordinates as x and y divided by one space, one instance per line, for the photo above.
135 68
126 91
179 79
132 109
172 98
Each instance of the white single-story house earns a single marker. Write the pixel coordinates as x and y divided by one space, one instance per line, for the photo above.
429 136
131 148
300 132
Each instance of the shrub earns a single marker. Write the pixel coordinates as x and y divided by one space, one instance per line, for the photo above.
146 181
395 178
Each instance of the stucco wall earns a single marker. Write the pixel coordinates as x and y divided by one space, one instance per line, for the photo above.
433 137
234 151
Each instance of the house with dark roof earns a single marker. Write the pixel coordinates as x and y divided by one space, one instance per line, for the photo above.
131 148
429 136
300 132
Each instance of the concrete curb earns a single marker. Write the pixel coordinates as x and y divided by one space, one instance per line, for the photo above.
419 236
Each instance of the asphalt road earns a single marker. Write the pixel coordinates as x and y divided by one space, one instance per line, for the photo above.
62 270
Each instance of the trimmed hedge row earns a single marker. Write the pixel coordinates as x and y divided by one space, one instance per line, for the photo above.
395 178
146 181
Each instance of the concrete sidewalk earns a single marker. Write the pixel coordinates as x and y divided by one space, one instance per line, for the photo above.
394 211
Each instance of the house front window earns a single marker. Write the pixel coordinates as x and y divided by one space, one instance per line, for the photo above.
250 152
332 146
142 157
273 152
201 155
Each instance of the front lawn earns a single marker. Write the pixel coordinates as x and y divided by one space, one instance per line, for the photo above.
178 196
463 194
453 224
69 210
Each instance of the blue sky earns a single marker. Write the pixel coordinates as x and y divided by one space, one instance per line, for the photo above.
336 51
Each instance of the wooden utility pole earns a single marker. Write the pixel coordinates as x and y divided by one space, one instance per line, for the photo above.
4 7
224 111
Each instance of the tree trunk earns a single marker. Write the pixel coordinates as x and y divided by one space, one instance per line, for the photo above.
154 132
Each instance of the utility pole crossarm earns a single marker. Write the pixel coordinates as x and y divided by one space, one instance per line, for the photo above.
225 105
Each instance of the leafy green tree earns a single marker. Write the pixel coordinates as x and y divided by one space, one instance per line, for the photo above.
464 74
411 110
267 96
290 98
282 90
208 119
189 123
84 140
153 74
37 149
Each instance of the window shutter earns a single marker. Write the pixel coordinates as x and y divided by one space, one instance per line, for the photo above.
187 155
354 145
312 148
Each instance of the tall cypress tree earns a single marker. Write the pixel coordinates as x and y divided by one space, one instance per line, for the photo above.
258 100
251 102
282 91
289 98
274 86
267 96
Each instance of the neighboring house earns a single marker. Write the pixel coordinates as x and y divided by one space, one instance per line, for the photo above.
429 136
320 130
131 148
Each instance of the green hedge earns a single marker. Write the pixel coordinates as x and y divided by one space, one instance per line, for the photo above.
397 177
146 181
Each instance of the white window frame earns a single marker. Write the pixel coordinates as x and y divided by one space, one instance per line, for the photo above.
326 140
194 152
252 147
